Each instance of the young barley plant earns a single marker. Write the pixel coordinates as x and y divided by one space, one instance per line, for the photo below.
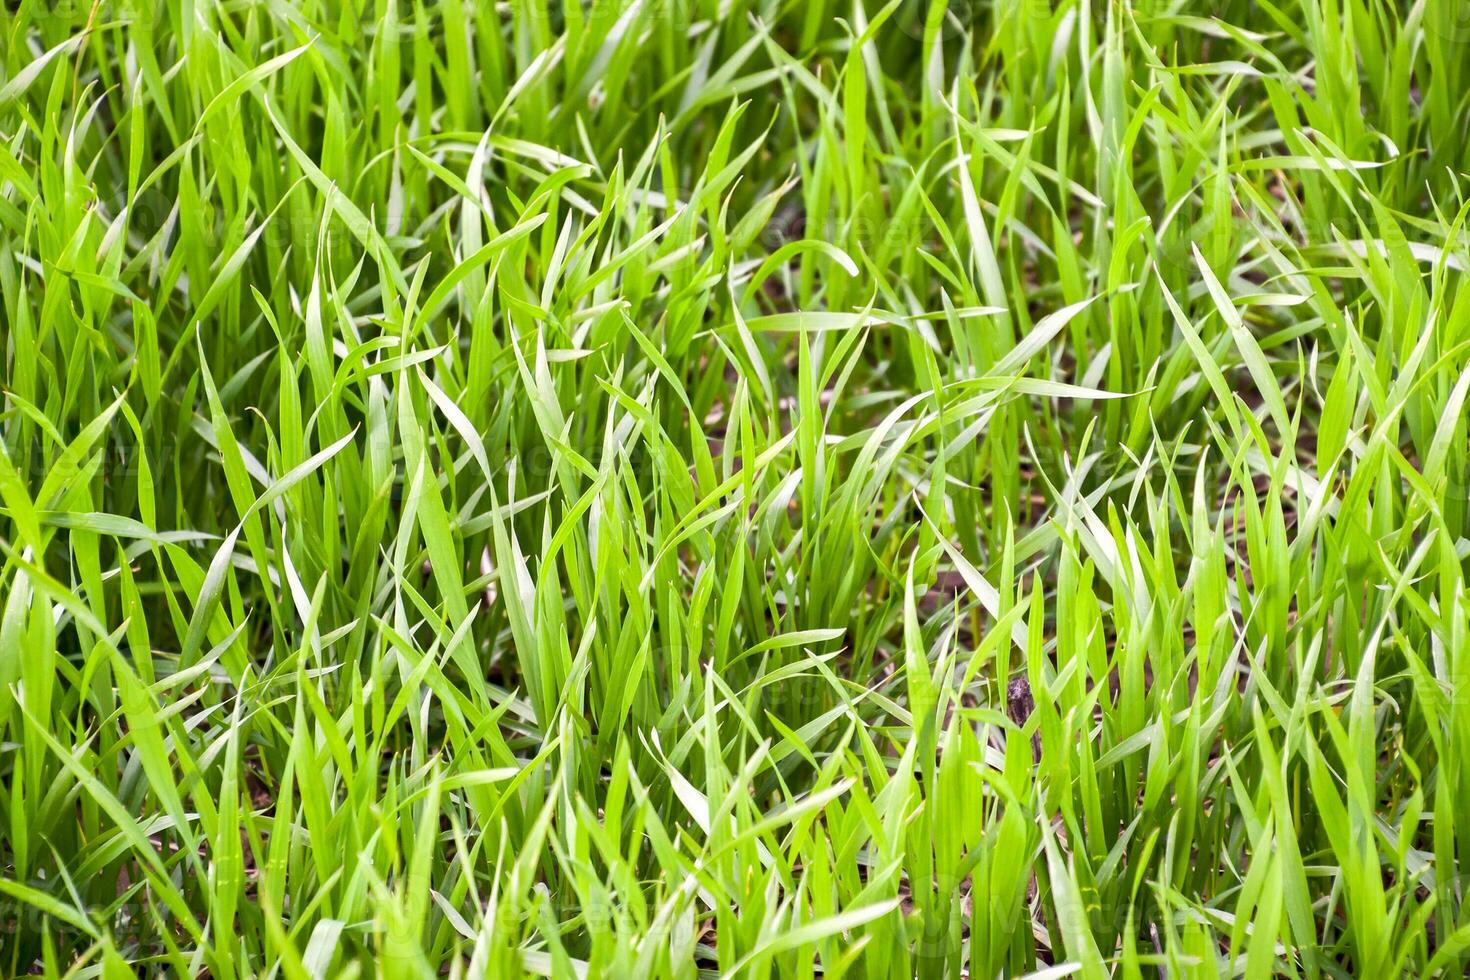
740 488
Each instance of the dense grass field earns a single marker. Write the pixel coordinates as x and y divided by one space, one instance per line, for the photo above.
750 488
